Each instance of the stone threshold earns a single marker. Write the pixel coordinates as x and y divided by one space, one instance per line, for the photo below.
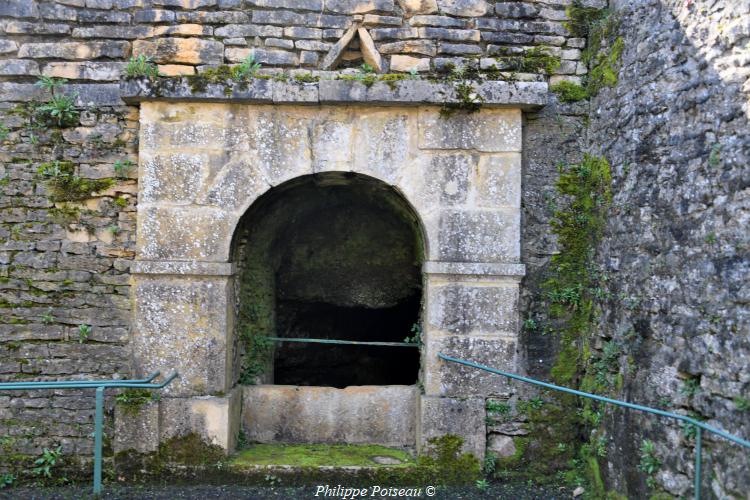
495 93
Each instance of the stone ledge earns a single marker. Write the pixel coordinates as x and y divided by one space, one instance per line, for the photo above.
524 95
182 268
474 269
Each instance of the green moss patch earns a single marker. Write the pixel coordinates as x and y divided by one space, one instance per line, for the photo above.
64 185
319 455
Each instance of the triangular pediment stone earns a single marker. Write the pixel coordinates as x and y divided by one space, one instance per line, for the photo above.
369 53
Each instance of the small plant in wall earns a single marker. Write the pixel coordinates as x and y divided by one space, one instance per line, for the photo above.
83 333
649 463
60 109
141 66
122 167
47 462
416 335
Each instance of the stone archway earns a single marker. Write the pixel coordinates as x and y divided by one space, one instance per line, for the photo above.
203 164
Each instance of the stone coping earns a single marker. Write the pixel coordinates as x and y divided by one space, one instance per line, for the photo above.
496 93
475 269
180 267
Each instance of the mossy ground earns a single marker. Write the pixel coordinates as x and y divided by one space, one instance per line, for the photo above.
318 455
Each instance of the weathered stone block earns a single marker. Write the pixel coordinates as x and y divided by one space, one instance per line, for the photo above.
186 4
332 144
27 28
394 33
496 130
456 35
413 7
19 8
446 378
215 419
424 47
382 143
19 67
241 179
463 8
383 415
75 50
248 30
499 181
181 50
7 47
463 417
479 236
441 21
175 177
358 6
316 5
183 324
183 232
467 308
138 428
98 71
406 64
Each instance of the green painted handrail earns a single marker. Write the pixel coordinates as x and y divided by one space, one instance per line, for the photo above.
100 386
699 426
35 384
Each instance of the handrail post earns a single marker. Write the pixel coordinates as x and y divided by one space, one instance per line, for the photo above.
98 431
698 450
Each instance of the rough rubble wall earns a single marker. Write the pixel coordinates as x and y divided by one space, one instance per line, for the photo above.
90 40
677 248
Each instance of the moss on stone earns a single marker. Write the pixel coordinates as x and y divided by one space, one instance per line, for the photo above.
604 66
63 184
319 455
132 400
569 92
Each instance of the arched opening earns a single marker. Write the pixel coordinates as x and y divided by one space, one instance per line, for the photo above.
332 256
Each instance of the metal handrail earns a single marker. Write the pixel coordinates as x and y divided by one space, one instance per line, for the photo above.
342 342
35 383
100 386
698 425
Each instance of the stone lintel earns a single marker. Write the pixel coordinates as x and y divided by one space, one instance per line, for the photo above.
182 268
523 95
474 269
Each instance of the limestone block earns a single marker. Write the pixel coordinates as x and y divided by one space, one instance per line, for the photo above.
332 146
448 177
499 181
176 69
463 417
89 70
472 308
383 415
402 63
445 378
369 52
334 55
181 50
175 177
75 50
463 8
292 92
215 418
282 143
424 47
479 236
455 35
489 130
501 446
239 181
412 7
382 143
18 67
184 324
358 6
159 135
137 429
176 232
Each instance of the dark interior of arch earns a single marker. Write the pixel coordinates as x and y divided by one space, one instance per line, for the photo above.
334 256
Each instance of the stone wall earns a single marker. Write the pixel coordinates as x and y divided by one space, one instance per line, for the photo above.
677 246
65 264
91 39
